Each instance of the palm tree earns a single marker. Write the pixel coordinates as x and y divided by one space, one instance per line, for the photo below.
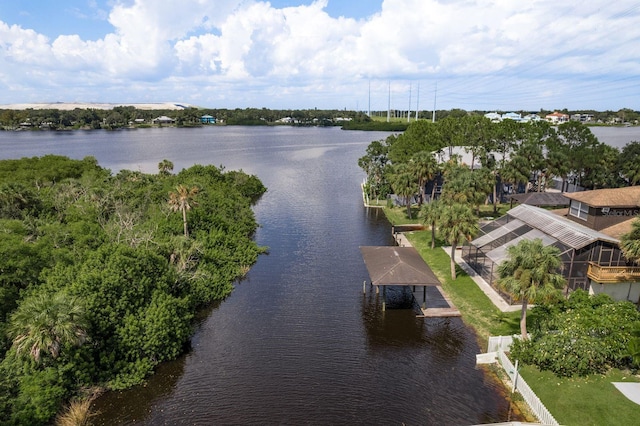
424 166
630 162
182 200
482 184
404 184
530 273
430 213
630 243
165 167
45 323
458 182
457 223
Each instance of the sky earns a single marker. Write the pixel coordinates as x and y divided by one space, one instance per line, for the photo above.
329 54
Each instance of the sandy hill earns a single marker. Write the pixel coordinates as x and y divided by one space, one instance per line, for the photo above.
92 105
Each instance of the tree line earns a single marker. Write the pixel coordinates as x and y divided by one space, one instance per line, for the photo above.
102 274
125 116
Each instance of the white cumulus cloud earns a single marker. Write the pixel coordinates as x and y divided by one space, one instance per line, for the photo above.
479 51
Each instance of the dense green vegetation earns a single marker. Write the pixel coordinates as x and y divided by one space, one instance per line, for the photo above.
581 335
381 126
101 274
524 156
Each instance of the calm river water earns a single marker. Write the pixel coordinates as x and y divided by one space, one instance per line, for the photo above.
296 342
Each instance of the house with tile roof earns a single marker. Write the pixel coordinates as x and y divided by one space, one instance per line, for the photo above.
557 117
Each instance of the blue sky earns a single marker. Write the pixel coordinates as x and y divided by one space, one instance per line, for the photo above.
469 54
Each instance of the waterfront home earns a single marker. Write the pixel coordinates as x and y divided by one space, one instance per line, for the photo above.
512 116
557 117
207 119
163 120
494 117
587 234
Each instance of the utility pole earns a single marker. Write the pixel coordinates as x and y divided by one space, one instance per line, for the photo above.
369 109
435 95
417 102
409 109
389 104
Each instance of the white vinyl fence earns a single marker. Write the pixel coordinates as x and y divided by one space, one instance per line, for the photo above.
521 386
496 349
499 342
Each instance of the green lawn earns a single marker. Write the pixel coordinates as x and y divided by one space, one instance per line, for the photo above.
584 401
398 214
577 401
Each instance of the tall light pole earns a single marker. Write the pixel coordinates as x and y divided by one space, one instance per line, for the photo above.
435 95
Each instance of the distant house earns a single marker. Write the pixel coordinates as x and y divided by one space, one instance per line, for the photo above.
583 118
207 119
494 117
587 234
557 117
163 120
512 116
531 118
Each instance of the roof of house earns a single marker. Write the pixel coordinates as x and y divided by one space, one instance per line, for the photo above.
613 197
557 114
547 225
163 118
619 229
541 199
615 231
567 231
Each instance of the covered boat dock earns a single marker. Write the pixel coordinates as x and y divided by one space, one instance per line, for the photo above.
403 266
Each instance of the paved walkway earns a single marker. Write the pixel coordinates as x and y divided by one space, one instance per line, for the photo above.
629 389
491 293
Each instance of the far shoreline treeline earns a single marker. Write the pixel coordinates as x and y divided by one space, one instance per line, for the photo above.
120 117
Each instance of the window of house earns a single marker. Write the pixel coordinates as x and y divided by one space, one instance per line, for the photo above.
579 210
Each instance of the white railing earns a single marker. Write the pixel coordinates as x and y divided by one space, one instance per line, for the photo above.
499 342
521 386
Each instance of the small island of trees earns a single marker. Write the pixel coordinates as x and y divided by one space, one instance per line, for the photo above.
102 274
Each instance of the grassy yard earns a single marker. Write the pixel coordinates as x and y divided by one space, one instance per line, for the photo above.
577 401
398 214
584 401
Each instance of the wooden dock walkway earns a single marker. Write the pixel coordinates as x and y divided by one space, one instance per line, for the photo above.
437 304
